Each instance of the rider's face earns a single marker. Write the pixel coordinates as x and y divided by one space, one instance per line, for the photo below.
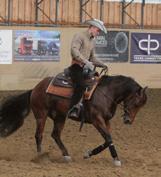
95 31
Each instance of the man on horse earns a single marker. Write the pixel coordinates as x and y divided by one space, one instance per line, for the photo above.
83 61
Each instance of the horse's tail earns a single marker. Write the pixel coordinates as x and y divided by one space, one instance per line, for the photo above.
13 112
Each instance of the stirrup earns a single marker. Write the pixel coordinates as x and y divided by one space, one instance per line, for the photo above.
74 112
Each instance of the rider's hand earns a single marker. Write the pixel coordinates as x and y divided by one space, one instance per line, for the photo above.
89 65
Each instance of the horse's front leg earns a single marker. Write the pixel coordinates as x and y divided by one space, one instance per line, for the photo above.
103 128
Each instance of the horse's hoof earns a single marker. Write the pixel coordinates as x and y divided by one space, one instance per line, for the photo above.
87 154
117 163
67 158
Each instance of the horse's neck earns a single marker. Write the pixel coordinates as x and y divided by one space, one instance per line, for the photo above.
120 93
118 99
117 88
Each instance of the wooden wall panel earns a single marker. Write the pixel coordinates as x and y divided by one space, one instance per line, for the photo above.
40 14
133 12
148 14
71 6
28 10
117 14
111 13
3 10
60 7
15 12
154 15
47 11
23 11
52 10
159 15
70 10
138 13
77 12
95 9
33 11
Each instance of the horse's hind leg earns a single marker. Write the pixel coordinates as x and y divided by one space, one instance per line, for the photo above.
41 116
59 122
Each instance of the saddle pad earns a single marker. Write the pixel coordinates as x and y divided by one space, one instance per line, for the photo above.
64 92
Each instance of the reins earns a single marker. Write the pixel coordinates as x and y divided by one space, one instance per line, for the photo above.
107 96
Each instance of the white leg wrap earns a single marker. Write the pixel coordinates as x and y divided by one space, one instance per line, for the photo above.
117 163
67 158
87 154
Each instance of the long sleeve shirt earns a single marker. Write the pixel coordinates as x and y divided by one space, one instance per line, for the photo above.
82 48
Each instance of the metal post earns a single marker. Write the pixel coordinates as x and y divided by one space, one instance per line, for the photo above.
101 9
56 12
36 11
81 13
9 11
123 13
142 14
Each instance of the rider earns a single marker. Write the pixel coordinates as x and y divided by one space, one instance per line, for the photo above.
82 53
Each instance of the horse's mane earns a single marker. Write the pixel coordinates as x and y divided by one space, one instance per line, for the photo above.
122 81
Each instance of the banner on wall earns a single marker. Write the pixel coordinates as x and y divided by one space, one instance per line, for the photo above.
112 47
146 48
36 45
5 46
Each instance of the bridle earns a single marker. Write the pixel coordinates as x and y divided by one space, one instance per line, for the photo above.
104 71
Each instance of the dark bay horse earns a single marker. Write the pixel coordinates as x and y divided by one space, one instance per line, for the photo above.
111 91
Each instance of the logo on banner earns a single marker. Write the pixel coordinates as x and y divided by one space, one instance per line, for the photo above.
101 41
121 42
149 44
145 48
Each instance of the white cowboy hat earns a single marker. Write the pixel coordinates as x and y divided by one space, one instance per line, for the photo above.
97 23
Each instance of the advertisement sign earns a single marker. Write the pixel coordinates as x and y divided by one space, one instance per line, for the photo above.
112 47
5 46
146 48
36 45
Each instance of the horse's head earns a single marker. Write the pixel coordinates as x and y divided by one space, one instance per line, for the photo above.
132 105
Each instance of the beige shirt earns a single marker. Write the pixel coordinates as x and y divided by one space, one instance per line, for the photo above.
82 48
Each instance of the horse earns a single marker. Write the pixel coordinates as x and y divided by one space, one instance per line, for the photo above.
98 111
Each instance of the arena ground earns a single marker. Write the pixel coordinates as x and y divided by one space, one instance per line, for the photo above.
138 146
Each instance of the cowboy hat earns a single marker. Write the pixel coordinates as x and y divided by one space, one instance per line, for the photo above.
97 23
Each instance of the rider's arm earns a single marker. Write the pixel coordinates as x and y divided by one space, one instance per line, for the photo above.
95 61
76 45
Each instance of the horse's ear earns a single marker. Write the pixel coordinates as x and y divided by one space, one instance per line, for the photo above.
143 90
143 93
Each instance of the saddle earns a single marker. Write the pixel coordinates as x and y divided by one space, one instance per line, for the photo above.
62 85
